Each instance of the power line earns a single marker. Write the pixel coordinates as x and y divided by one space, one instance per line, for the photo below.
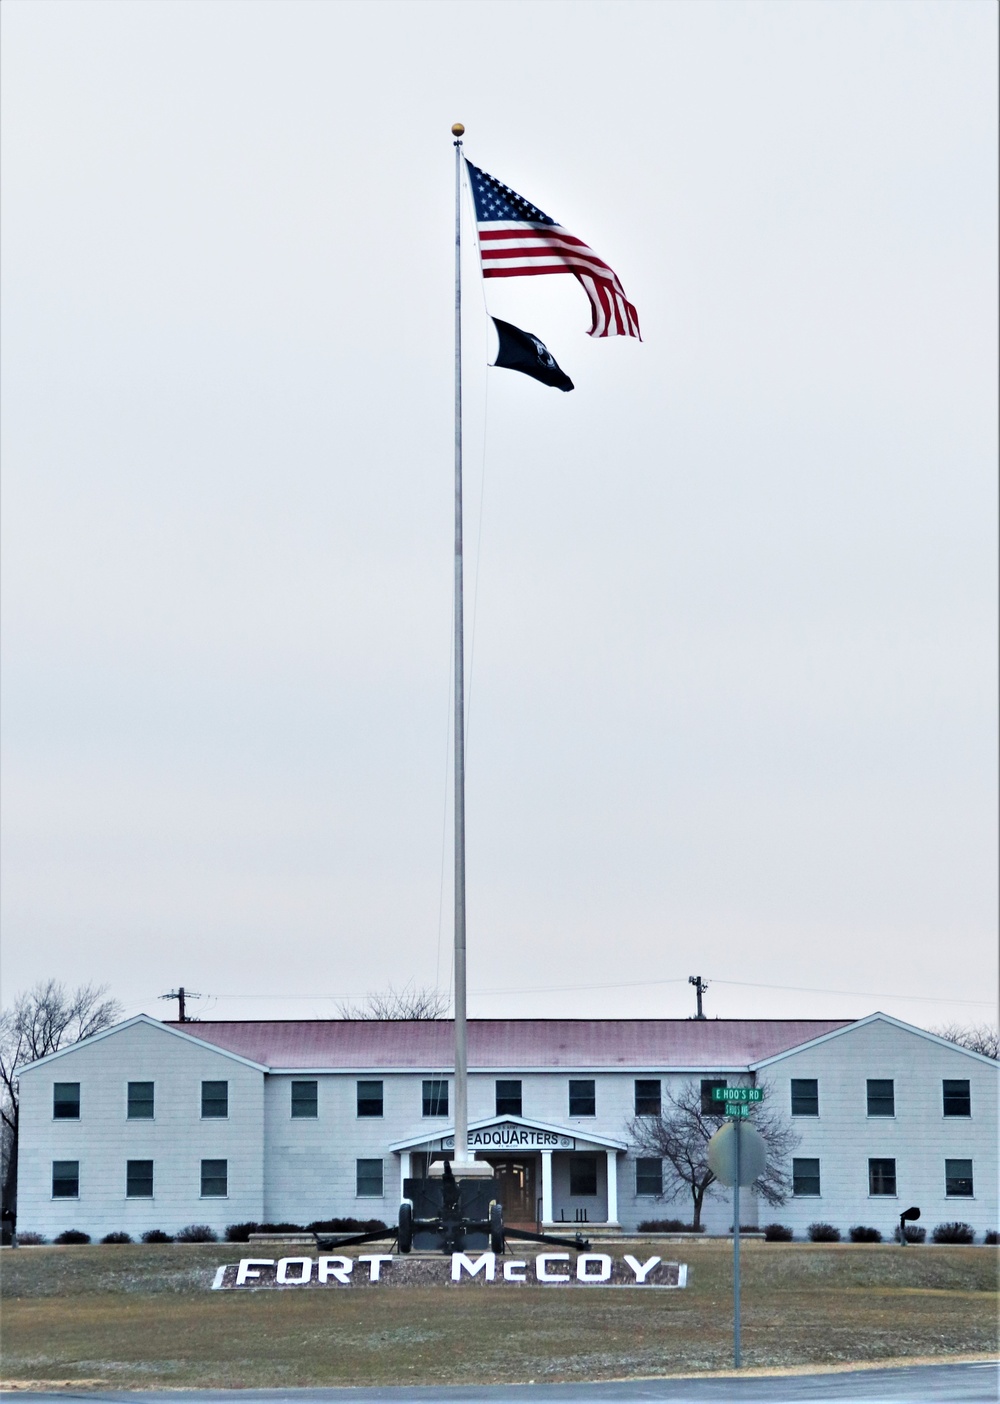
643 984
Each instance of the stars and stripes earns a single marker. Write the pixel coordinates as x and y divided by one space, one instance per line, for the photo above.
517 240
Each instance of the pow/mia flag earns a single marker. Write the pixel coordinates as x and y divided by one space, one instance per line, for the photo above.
521 351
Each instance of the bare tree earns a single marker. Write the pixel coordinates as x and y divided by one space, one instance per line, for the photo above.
980 1038
411 1002
679 1138
38 1023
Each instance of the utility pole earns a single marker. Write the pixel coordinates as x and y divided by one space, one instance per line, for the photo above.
700 986
180 994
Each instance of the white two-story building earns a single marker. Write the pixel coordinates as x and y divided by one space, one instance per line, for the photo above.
160 1125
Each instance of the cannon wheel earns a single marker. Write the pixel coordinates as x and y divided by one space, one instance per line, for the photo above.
496 1227
404 1233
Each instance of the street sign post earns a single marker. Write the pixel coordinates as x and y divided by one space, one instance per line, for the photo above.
737 1155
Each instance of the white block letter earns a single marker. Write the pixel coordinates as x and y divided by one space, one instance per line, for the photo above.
460 1261
509 1270
248 1268
375 1261
306 1272
603 1273
541 1271
340 1273
640 1269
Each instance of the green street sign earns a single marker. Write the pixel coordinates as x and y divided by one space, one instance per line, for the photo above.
737 1094
737 1109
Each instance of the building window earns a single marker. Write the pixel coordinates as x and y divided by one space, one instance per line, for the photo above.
647 1097
305 1099
957 1098
214 1178
214 1099
805 1096
66 1101
708 1107
435 1097
881 1097
370 1099
583 1174
882 1177
65 1179
648 1176
958 1179
140 1101
139 1179
509 1097
369 1179
805 1178
582 1099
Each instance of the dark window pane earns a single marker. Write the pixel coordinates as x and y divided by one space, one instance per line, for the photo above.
648 1176
957 1098
140 1101
214 1179
436 1097
805 1096
583 1174
305 1099
708 1107
582 1099
509 1097
370 1099
139 1179
958 1178
370 1179
881 1097
647 1096
65 1179
805 1177
66 1101
881 1177
214 1099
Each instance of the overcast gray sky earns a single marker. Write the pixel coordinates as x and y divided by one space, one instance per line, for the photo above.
733 686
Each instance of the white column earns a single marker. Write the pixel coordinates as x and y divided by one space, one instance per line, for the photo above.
612 1187
546 1187
404 1169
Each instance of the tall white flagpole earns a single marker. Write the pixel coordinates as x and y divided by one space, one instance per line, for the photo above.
461 1042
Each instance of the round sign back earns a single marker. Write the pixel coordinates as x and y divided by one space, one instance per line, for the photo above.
722 1153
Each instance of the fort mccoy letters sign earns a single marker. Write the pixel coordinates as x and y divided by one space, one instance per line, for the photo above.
456 1269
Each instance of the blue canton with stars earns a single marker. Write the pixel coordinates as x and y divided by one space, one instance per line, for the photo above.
497 201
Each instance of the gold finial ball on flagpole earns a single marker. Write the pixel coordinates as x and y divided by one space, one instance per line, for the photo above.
457 129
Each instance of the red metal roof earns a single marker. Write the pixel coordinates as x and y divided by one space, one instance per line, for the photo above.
511 1043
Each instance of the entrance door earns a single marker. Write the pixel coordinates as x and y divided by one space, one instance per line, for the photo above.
517 1188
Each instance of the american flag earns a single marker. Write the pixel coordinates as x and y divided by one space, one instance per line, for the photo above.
516 240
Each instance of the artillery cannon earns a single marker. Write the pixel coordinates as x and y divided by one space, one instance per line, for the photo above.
451 1214
454 1213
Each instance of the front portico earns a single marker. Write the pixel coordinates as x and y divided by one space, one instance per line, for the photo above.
551 1175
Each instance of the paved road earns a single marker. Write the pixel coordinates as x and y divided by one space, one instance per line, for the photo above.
915 1384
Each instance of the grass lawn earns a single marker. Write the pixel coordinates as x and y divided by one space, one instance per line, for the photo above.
136 1316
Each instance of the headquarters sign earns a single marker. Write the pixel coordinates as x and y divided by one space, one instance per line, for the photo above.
455 1269
508 1135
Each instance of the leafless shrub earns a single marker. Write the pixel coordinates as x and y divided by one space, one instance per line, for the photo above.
411 1002
979 1038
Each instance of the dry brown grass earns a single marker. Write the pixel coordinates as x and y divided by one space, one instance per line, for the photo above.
134 1316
